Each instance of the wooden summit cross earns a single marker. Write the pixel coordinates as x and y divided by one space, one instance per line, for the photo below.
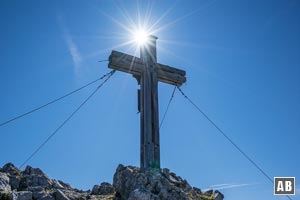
148 72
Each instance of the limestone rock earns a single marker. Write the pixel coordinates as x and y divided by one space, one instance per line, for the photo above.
125 180
218 195
14 175
47 197
4 182
209 192
75 194
21 195
39 194
57 185
66 186
139 194
59 195
103 189
129 183
132 184
9 168
34 177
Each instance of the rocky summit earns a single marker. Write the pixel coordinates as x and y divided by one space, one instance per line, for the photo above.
129 183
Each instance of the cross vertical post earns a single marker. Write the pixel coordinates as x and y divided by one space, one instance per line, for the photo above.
148 73
150 149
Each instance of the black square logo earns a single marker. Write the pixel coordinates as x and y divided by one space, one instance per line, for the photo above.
284 185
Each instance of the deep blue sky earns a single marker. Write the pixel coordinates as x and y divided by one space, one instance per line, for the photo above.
243 69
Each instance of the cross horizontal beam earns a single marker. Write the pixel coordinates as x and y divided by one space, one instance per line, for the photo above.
135 66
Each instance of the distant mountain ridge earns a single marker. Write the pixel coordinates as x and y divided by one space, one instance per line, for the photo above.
129 183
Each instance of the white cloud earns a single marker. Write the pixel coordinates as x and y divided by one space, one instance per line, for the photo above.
73 49
75 54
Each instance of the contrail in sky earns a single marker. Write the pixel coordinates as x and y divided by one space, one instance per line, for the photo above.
228 185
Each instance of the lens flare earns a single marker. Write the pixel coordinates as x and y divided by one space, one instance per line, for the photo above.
141 37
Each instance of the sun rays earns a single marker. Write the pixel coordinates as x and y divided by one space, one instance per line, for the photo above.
138 22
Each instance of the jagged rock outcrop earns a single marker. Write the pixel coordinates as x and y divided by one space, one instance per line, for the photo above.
4 182
103 189
14 175
129 183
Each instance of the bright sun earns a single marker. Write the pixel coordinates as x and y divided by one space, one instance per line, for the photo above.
141 37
